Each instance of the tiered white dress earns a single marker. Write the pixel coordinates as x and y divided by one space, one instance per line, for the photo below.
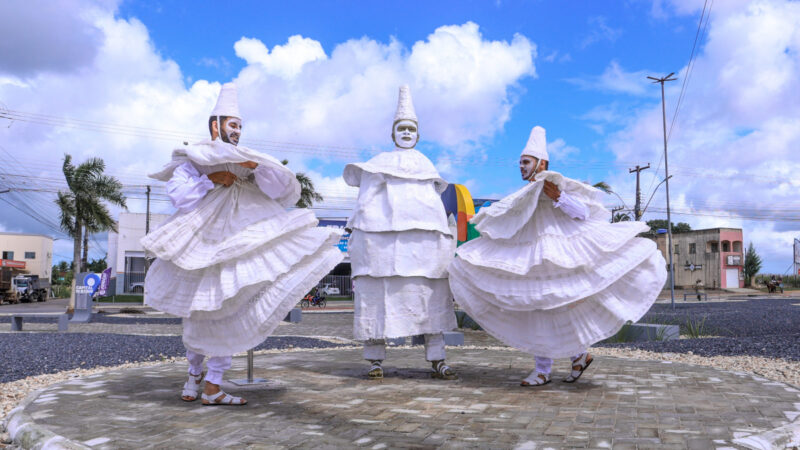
400 247
234 265
549 284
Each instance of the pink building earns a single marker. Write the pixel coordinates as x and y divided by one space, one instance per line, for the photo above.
713 256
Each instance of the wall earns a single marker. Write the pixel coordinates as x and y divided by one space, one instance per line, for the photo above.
130 229
710 257
734 236
40 244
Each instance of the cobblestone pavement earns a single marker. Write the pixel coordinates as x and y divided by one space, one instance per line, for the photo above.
321 399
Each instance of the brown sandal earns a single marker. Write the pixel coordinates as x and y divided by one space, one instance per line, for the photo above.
578 367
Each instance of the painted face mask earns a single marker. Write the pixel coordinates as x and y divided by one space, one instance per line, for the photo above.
528 166
405 134
232 130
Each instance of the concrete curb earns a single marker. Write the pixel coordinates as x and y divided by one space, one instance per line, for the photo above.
787 436
25 432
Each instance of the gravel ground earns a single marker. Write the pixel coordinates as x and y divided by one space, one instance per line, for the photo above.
758 327
28 354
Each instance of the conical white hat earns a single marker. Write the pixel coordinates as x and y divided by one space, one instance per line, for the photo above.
537 144
405 107
228 102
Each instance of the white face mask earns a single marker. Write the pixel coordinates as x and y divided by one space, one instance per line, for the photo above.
527 166
405 134
231 130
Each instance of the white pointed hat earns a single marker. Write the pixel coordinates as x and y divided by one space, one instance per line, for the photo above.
228 102
405 107
537 145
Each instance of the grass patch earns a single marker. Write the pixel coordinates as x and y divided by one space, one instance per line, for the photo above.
122 298
696 328
623 335
339 298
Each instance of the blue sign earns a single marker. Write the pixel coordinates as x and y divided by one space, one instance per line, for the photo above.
337 223
92 282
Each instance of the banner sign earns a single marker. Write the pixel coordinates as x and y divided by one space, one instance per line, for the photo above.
104 278
337 223
797 251
12 263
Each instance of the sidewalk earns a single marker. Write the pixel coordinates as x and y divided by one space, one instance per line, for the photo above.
321 399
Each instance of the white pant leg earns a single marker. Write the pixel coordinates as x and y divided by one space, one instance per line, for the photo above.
375 349
217 365
543 364
434 347
195 362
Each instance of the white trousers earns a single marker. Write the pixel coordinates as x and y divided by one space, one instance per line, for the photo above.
545 364
217 365
375 349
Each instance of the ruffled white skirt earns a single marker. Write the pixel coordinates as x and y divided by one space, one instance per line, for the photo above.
400 282
558 285
234 288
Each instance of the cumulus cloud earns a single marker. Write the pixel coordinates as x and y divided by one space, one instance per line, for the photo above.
616 79
733 150
42 35
341 100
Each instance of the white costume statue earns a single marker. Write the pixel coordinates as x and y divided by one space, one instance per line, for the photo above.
549 275
232 261
400 248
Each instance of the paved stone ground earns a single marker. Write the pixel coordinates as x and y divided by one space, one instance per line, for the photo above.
321 399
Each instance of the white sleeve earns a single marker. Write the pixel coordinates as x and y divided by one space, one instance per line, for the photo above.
271 181
571 207
187 187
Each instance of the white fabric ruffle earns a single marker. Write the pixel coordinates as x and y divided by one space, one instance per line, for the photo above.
177 291
386 203
401 306
408 164
250 317
413 253
234 265
211 153
549 284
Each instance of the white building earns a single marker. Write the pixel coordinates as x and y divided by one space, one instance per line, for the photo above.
126 254
34 250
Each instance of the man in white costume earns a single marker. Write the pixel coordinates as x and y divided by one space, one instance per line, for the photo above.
549 275
400 247
232 261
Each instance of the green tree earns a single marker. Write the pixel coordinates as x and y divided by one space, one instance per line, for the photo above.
308 194
655 224
752 264
81 207
97 265
621 217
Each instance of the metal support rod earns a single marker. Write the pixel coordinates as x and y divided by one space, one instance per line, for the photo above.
666 177
250 378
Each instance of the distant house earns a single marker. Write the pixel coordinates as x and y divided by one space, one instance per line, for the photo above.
27 253
714 256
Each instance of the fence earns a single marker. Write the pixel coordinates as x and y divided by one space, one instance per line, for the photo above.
340 281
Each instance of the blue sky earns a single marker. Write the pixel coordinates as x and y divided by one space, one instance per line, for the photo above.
318 85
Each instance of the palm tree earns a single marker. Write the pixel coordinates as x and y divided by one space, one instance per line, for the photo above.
81 207
621 217
308 194
603 186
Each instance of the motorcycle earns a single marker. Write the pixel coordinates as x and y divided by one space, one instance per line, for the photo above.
313 300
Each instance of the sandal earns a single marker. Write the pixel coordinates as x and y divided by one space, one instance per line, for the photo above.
222 398
536 379
442 371
578 367
192 387
376 371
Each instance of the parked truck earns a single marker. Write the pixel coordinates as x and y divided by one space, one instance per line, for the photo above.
31 288
8 292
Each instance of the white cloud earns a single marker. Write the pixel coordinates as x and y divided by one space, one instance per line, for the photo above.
734 147
558 150
599 31
463 87
617 80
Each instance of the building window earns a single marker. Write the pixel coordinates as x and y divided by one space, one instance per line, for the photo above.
676 249
8 255
714 247
692 250
30 255
726 246
737 246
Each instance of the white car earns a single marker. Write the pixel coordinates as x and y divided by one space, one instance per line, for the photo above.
329 289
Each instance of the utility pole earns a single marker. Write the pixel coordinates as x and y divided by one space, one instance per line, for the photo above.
147 219
637 210
670 248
